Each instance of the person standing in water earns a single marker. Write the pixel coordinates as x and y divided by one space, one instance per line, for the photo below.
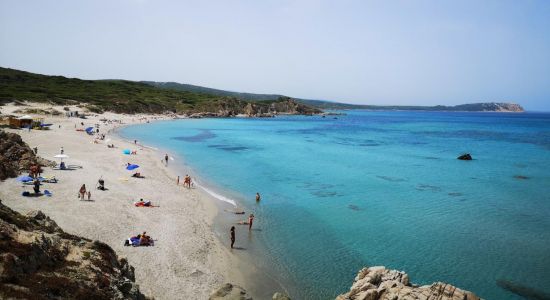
258 198
232 236
250 220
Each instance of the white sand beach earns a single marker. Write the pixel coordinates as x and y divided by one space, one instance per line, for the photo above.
187 260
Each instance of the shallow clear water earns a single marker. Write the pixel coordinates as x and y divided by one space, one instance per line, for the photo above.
382 188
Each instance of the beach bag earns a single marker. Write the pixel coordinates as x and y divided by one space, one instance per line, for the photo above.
26 194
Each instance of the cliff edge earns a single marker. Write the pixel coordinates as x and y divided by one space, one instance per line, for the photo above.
38 260
379 283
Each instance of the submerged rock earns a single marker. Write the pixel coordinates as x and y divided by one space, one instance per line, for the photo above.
280 296
379 283
38 260
522 290
466 156
230 291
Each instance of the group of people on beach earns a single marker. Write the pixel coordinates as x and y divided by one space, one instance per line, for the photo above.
82 193
186 181
248 222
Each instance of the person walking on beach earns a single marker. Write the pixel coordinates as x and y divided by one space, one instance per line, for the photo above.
232 236
166 159
82 192
250 220
61 150
258 198
89 195
178 180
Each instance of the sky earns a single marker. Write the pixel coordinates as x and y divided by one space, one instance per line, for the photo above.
368 52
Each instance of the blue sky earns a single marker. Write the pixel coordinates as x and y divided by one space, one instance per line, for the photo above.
373 52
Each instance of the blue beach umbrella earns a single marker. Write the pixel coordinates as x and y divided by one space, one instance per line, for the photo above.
24 178
131 167
126 151
89 129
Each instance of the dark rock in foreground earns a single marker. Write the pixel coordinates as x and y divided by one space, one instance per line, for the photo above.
379 283
16 155
38 260
466 156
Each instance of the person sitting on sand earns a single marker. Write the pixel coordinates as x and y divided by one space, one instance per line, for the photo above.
144 239
82 192
134 152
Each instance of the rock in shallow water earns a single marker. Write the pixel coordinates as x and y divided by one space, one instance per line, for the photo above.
466 156
230 291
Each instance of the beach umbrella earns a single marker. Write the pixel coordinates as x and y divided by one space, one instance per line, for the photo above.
24 178
131 167
126 151
61 156
89 129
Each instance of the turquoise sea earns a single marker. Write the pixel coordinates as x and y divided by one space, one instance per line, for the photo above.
380 188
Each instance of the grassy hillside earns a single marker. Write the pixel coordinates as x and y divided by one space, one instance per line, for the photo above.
205 90
113 95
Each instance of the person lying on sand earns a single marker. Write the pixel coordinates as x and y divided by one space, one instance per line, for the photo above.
139 240
137 175
237 212
142 203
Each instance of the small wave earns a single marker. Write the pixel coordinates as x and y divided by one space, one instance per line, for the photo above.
218 196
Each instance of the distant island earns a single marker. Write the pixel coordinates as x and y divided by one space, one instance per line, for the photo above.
123 96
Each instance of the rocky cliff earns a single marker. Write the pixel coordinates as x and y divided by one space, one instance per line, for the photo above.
230 107
379 283
40 261
490 106
16 156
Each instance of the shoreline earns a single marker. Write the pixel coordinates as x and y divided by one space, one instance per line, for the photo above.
188 259
259 283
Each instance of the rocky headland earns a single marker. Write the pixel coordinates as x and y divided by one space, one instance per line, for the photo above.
38 260
17 156
379 283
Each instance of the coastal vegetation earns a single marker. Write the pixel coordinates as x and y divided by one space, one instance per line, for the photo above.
123 96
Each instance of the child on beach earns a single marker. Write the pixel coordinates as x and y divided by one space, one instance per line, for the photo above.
89 195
